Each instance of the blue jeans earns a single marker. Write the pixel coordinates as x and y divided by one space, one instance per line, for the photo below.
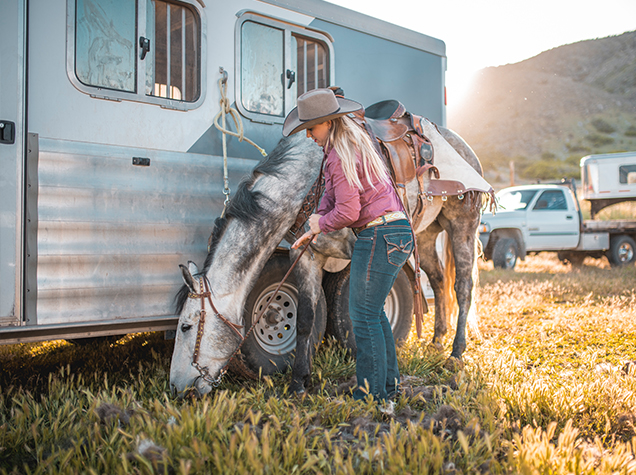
378 255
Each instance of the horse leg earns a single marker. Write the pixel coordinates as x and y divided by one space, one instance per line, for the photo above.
430 264
308 276
462 237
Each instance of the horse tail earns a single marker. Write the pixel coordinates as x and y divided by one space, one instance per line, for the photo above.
472 319
450 299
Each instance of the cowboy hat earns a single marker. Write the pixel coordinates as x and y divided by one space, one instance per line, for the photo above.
316 106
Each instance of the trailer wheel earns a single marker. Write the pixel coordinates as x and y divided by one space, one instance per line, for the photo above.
398 308
270 347
622 251
505 253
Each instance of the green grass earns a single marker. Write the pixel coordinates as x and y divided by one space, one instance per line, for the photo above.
542 392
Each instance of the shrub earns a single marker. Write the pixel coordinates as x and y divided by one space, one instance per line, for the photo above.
598 140
631 131
603 126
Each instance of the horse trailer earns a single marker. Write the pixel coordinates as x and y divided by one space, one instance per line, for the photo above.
112 167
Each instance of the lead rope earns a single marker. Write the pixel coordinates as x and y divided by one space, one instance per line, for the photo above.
226 108
206 293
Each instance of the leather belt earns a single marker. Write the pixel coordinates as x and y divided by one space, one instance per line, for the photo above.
387 218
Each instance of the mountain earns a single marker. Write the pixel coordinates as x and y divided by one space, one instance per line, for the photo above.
547 112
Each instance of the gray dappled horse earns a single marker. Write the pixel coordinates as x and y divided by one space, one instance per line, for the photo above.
256 221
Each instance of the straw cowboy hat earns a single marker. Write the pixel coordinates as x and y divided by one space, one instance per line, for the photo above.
316 106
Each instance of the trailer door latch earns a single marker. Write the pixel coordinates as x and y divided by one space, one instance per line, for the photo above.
144 44
7 132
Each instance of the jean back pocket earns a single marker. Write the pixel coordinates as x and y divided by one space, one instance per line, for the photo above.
398 247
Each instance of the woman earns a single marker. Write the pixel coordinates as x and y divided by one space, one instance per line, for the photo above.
359 195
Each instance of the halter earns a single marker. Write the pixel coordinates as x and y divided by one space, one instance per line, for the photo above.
207 294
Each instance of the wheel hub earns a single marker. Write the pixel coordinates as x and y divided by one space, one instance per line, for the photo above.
276 330
625 252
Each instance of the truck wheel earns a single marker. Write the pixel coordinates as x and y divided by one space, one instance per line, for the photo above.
270 347
398 308
505 253
622 251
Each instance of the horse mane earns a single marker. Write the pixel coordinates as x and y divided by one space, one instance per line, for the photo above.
245 205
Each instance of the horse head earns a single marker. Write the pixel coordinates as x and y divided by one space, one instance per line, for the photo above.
204 341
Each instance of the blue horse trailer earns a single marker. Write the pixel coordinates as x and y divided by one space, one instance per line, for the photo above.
112 168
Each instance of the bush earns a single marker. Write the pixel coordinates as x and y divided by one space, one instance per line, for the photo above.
598 140
550 170
578 148
631 131
603 126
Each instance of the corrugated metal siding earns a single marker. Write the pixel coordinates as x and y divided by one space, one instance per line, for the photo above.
111 235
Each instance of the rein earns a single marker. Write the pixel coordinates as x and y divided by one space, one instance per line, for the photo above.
207 294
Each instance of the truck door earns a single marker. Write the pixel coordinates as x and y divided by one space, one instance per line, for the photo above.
12 79
551 224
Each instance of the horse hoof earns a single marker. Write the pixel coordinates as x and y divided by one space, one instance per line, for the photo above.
454 364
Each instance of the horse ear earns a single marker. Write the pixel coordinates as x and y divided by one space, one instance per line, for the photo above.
187 278
192 267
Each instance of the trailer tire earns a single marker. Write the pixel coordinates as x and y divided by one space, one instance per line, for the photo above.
505 253
398 307
622 251
270 347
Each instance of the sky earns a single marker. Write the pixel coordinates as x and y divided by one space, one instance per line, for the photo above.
482 33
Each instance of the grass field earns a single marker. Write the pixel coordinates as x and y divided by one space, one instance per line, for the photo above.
549 388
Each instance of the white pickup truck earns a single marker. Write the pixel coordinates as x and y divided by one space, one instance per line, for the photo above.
547 217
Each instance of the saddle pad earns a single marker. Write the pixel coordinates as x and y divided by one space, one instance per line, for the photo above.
451 166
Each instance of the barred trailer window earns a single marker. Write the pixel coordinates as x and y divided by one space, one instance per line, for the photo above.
277 63
144 50
176 59
312 64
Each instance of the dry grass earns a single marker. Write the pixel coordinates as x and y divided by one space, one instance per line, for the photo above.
549 389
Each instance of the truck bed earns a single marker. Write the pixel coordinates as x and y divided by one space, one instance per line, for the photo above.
612 226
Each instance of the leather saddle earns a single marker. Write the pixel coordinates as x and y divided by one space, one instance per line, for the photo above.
398 137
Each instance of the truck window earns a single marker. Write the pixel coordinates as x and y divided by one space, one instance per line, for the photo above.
551 200
148 51
515 200
278 62
627 174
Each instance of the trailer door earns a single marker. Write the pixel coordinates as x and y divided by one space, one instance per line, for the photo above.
12 99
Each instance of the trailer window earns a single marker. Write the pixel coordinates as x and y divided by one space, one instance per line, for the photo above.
175 72
278 62
144 50
105 44
627 174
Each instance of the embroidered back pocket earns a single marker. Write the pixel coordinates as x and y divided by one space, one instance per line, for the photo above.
398 247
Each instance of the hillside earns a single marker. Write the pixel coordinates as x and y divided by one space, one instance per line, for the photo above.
547 112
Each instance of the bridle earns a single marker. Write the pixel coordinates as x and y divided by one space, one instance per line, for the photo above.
205 293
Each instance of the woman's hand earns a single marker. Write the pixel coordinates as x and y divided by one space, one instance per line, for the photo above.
314 223
314 230
302 240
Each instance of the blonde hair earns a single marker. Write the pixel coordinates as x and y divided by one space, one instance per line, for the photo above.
347 138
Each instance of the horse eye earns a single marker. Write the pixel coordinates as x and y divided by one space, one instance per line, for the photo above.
197 313
185 327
